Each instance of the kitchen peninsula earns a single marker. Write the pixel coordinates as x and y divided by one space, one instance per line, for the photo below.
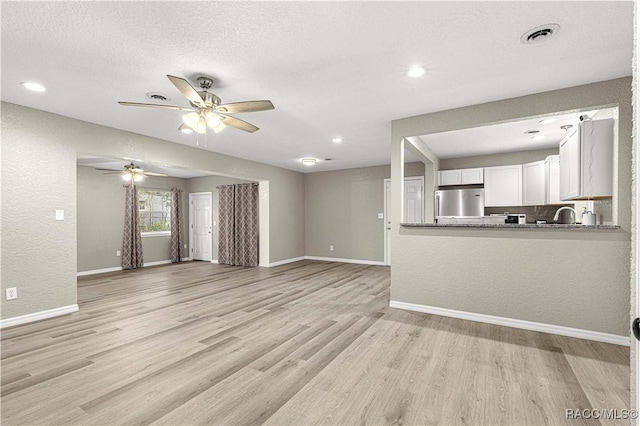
559 278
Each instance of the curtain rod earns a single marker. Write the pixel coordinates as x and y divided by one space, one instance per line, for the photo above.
252 183
152 189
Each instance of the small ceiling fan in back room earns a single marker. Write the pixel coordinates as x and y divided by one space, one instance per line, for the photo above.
132 172
207 109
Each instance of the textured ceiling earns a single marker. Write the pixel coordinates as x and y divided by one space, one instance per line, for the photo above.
330 68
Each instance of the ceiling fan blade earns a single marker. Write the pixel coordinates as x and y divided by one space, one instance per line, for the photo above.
237 123
173 107
187 90
185 128
107 170
248 106
155 174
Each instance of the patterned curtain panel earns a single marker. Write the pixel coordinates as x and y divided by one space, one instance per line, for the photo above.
176 220
238 230
132 240
225 224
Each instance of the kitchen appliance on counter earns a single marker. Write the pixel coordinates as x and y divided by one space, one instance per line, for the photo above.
459 203
520 219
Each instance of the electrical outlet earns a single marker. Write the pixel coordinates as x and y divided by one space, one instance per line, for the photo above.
12 293
118 253
330 248
185 246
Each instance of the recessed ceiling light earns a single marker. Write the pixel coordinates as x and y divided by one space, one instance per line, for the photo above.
309 161
540 34
548 120
337 140
415 71
36 87
538 137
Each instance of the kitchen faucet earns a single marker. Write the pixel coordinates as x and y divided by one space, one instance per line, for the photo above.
575 213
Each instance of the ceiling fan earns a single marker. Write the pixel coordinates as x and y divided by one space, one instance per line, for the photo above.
207 109
133 172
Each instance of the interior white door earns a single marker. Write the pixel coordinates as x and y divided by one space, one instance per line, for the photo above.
413 208
200 229
413 200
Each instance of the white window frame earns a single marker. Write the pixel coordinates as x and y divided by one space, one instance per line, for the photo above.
155 233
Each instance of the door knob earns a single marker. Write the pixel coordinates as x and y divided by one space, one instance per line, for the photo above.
635 326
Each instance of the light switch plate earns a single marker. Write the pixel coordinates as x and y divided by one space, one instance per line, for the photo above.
380 215
59 214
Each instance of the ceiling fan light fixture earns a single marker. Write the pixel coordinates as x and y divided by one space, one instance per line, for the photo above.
137 177
191 119
126 177
213 120
219 127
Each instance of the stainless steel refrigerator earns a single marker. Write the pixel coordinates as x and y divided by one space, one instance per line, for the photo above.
459 203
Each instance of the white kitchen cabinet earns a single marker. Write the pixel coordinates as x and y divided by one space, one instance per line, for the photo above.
503 186
534 183
472 176
570 166
552 166
461 176
586 161
449 177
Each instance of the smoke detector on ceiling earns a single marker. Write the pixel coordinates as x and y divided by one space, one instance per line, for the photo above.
540 34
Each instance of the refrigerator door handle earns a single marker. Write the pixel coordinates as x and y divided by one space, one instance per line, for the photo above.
437 207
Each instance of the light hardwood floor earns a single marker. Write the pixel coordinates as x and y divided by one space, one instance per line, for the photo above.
303 343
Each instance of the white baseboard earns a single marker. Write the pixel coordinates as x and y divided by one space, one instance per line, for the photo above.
215 261
516 323
37 316
119 268
283 262
159 262
99 271
337 259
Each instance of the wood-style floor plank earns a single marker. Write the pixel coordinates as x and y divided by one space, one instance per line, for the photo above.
299 344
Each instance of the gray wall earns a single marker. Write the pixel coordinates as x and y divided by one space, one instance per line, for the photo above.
572 279
504 159
341 209
39 253
100 213
209 184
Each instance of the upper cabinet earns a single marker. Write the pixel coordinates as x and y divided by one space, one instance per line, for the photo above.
534 183
586 161
461 177
503 186
552 166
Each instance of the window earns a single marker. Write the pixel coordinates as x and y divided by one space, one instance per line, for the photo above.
154 210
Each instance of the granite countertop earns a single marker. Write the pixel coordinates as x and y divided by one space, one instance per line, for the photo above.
564 226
